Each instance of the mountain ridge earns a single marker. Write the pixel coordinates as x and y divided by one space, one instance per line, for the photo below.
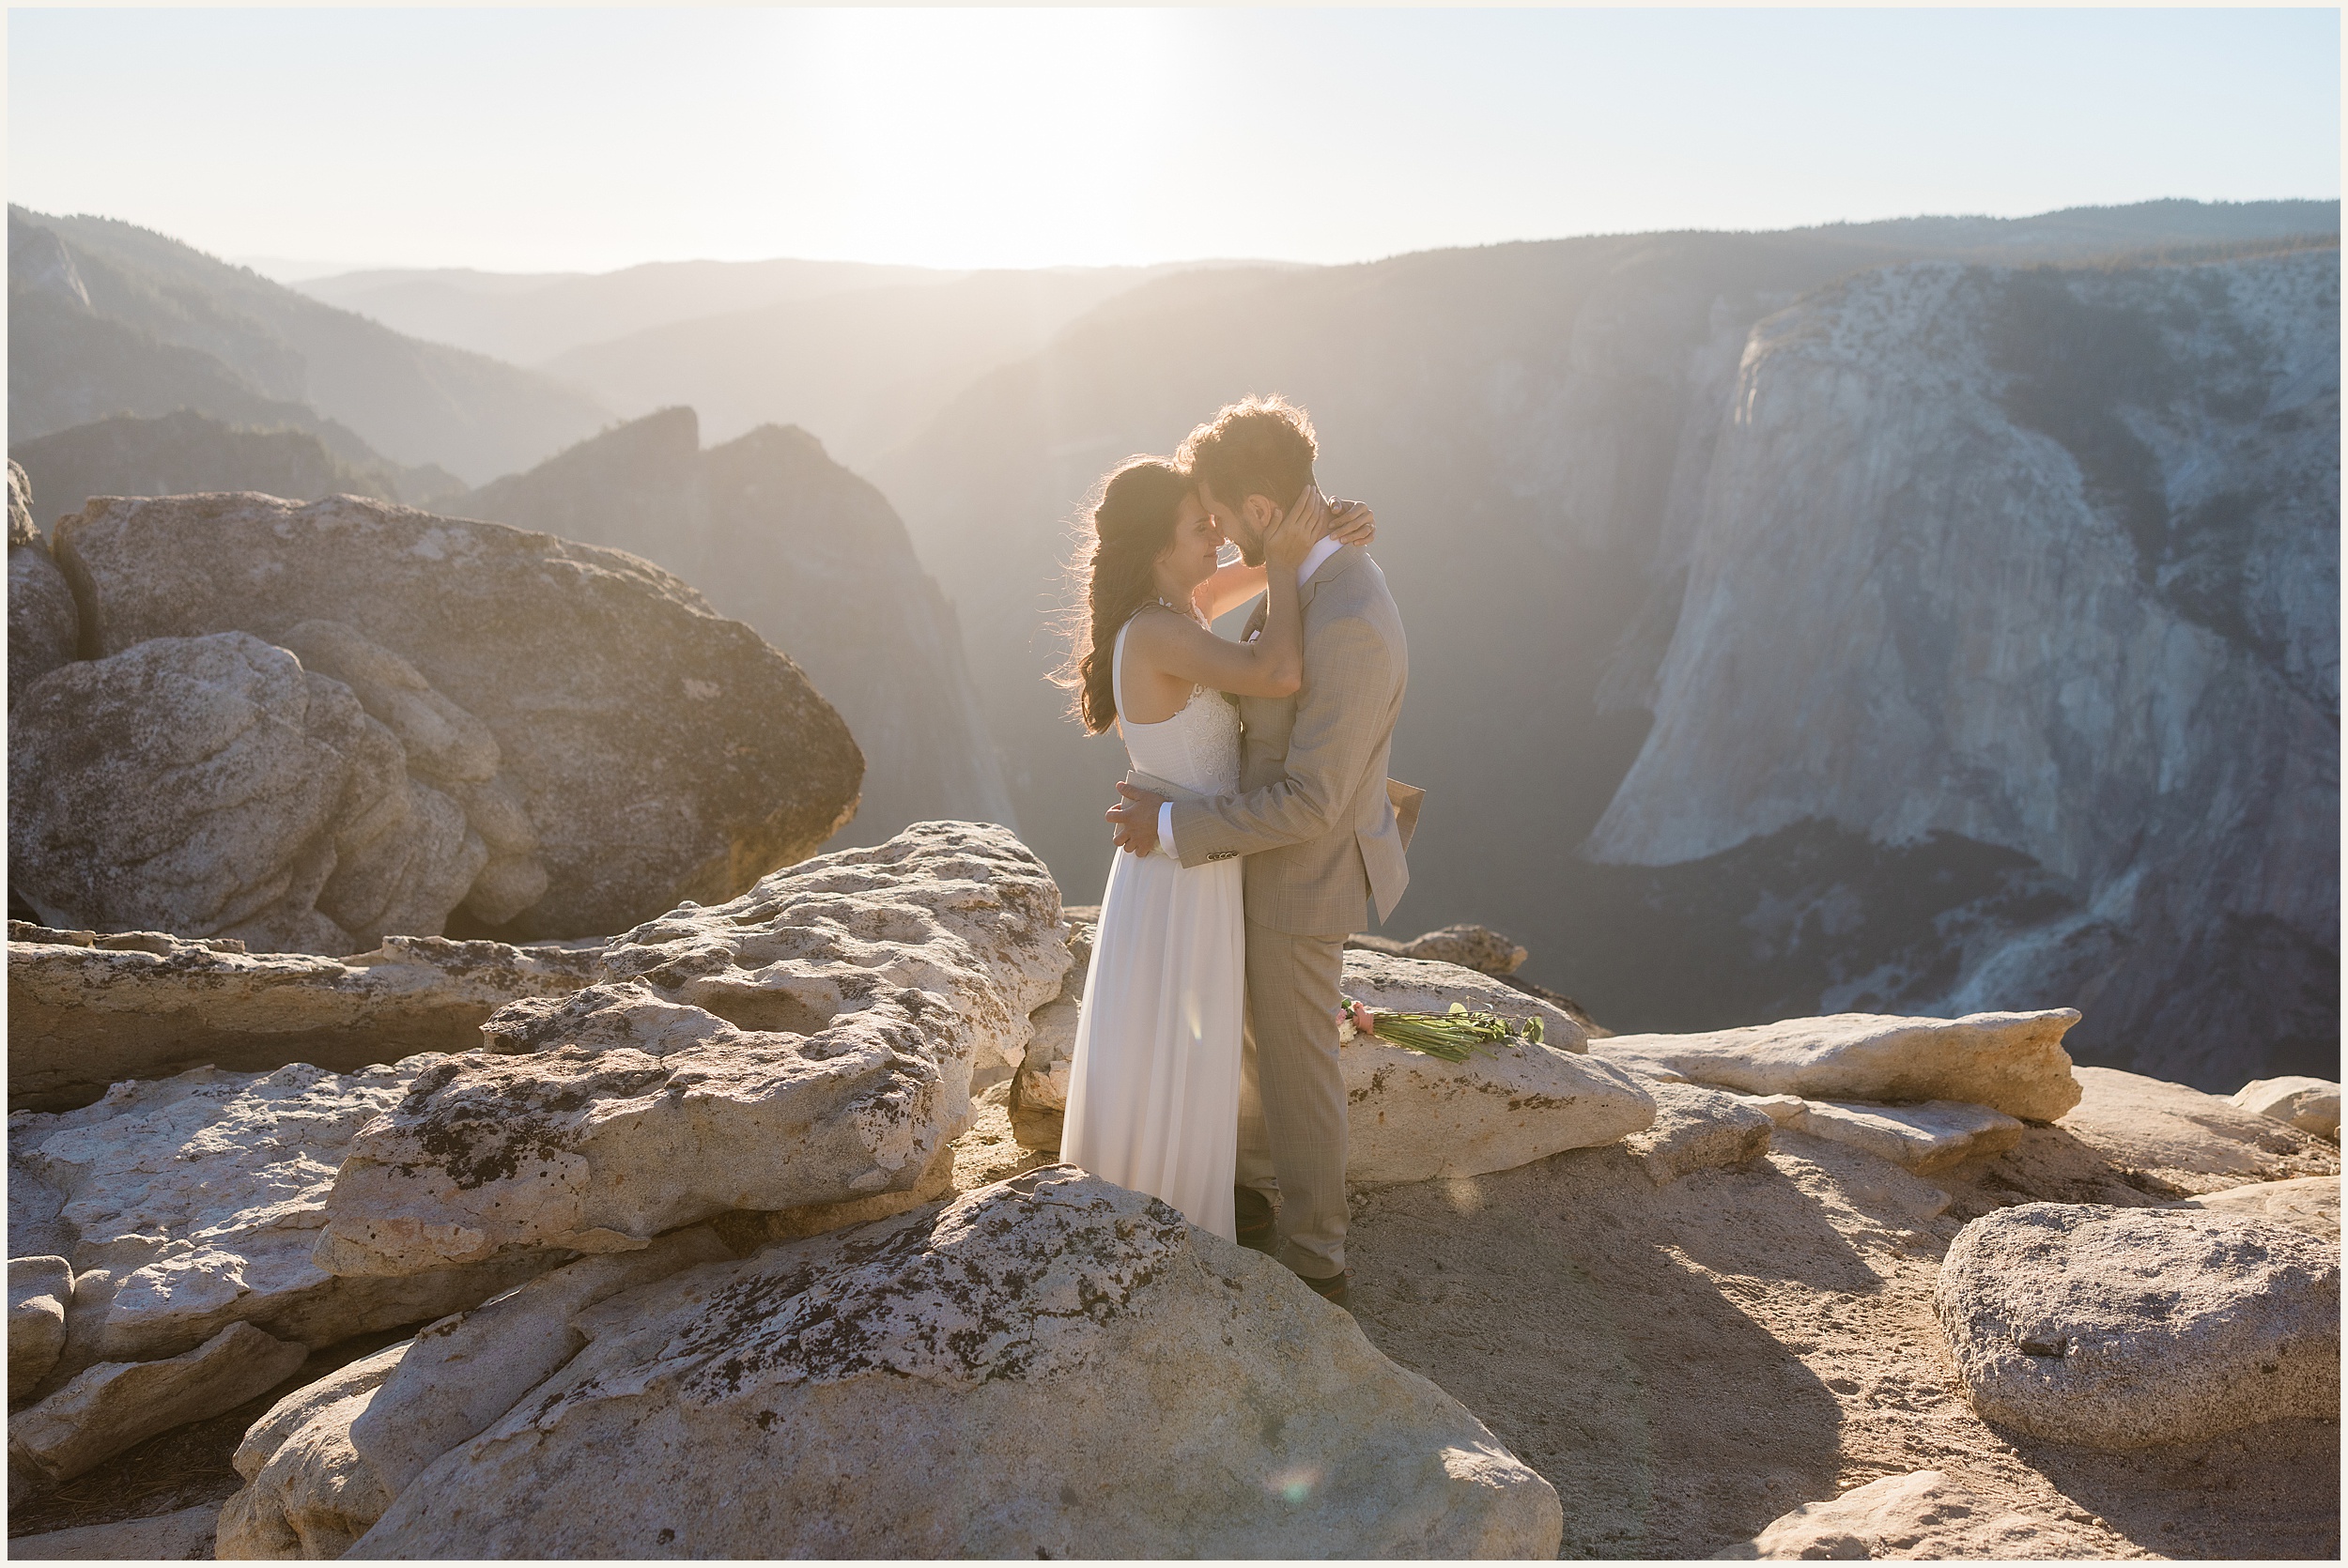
265 352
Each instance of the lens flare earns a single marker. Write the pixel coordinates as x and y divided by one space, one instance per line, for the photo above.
1294 1485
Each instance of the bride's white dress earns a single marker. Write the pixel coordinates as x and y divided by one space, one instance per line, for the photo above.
1153 1102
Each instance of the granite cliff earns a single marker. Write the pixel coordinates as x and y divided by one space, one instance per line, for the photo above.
2031 576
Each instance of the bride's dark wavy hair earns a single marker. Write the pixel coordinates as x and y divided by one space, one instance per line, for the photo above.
1128 525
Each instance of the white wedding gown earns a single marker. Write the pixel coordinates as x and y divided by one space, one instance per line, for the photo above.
1153 1102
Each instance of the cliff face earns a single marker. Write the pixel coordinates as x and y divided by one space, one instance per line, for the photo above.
1543 429
810 556
2034 576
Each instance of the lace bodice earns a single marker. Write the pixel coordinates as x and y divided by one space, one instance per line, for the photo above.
1198 747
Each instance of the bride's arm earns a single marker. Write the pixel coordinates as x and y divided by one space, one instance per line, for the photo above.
1273 664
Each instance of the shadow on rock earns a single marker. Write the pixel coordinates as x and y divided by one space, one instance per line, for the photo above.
2270 1491
1563 1303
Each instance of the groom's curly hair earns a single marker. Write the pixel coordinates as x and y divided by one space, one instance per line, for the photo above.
1131 523
1258 446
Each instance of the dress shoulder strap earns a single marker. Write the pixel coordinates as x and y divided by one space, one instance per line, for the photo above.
1116 654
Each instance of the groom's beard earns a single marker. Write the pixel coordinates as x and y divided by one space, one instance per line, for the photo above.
1250 550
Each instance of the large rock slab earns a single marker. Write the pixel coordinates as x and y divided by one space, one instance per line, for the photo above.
107 1408
810 1042
308 1494
212 787
1219 1408
1697 1128
2171 1141
197 1200
39 1289
2310 1104
1925 1138
2010 1062
1037 1101
660 751
44 627
1411 1116
36 1317
2120 1328
2310 1204
463 1372
447 748
1920 1514
184 1536
85 1011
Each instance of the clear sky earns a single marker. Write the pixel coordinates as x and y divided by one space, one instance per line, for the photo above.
551 139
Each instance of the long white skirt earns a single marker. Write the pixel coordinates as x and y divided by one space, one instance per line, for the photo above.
1153 1102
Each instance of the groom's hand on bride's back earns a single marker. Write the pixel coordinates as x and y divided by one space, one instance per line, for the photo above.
1134 820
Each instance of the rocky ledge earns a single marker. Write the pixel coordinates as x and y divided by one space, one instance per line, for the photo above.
728 1215
88 1009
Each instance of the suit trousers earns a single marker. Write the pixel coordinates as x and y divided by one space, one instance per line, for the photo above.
1292 1097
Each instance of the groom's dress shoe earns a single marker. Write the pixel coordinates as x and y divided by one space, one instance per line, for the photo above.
1252 1213
1332 1289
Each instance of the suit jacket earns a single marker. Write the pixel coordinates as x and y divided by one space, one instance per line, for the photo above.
1321 825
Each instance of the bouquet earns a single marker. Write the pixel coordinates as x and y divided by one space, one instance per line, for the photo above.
1451 1036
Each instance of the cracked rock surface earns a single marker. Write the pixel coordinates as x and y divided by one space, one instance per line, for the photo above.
2010 1062
810 1042
212 785
193 1201
307 1491
107 1408
965 1352
1697 1128
87 1010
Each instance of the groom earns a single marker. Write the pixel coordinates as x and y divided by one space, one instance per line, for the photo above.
1322 827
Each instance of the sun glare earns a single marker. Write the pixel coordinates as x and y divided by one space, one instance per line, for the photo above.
1016 138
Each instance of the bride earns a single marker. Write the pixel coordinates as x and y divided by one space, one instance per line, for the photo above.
1153 1103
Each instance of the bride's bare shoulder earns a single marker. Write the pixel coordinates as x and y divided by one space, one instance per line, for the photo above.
1157 628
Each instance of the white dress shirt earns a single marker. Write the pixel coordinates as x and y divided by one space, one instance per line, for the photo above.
1311 563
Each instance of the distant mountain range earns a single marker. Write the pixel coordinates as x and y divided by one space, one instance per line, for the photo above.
108 319
860 356
1909 616
530 318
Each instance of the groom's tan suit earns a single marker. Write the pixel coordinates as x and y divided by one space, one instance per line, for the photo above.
1323 830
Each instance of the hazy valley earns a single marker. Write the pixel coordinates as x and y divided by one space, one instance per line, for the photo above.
1855 618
